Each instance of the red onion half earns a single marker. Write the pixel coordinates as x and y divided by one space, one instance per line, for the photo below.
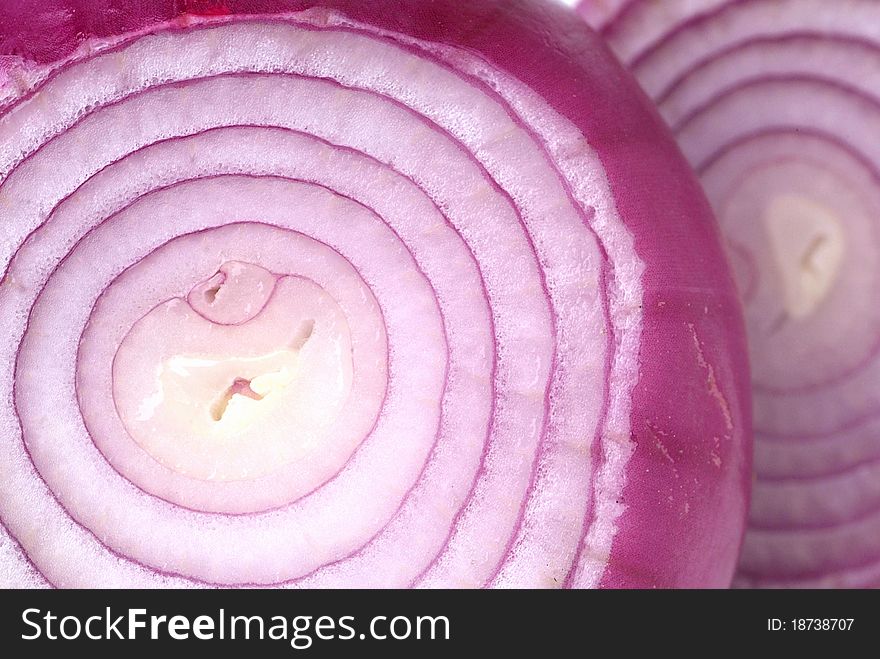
336 293
776 103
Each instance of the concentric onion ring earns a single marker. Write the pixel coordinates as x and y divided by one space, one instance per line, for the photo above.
351 296
776 103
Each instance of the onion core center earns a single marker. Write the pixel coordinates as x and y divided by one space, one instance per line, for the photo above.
220 400
808 245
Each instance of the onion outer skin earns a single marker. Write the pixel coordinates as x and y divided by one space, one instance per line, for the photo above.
813 521
678 517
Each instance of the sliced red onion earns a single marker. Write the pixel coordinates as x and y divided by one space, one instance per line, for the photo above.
352 294
776 103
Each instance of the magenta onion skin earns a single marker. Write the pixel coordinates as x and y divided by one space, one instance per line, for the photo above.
667 499
805 71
